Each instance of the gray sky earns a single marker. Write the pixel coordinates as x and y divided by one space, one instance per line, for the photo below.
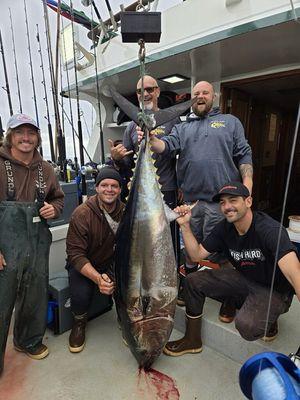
35 16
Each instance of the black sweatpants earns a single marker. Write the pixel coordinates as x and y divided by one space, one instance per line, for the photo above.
82 289
251 299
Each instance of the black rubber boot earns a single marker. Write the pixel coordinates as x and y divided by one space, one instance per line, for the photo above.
77 335
182 273
190 343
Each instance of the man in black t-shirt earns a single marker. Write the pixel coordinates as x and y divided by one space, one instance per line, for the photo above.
255 244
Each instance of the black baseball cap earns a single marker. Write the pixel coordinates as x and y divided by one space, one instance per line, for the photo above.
233 189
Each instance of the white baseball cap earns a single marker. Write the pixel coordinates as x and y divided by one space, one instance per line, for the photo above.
20 119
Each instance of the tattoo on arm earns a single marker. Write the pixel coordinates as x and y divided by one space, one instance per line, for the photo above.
246 170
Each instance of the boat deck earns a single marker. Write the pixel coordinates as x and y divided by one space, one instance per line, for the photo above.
107 370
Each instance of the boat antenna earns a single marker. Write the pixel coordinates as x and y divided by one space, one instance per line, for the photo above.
101 134
15 61
81 154
59 133
31 71
6 88
70 102
45 96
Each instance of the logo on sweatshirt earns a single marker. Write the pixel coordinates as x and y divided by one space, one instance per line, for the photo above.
218 124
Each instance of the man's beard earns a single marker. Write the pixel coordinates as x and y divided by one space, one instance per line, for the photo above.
147 107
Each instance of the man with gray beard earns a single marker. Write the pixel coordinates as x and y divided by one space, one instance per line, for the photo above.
122 154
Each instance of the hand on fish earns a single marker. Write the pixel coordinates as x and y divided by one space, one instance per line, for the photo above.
105 284
2 261
118 152
141 134
185 213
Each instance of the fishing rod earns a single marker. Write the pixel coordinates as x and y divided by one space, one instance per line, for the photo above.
62 98
7 89
15 61
70 102
98 104
31 72
59 133
1 132
81 154
45 96
58 15
91 3
76 133
112 17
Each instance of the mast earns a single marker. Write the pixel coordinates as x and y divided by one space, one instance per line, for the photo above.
45 96
7 89
15 62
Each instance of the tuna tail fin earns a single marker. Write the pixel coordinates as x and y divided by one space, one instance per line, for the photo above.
167 114
153 120
129 109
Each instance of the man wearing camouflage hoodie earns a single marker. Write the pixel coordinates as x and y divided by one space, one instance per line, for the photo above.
29 195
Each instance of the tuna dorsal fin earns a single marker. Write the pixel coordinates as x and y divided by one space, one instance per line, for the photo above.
159 117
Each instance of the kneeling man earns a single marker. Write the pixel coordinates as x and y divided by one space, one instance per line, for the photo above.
257 246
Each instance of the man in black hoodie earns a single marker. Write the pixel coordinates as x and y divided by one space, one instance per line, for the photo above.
212 150
90 248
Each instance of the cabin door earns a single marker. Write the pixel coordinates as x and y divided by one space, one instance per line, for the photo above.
267 129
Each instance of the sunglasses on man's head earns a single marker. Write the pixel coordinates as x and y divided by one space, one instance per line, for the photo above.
148 89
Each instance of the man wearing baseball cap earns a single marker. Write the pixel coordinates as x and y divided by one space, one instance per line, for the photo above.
249 240
90 249
29 195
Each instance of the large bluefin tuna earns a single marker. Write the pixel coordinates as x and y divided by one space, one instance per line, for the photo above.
146 277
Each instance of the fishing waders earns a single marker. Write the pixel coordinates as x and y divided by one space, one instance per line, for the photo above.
25 243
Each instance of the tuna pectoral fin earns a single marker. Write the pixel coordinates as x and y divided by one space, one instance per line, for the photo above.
170 214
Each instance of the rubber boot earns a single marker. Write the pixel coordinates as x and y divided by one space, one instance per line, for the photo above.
190 343
77 335
227 311
183 272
